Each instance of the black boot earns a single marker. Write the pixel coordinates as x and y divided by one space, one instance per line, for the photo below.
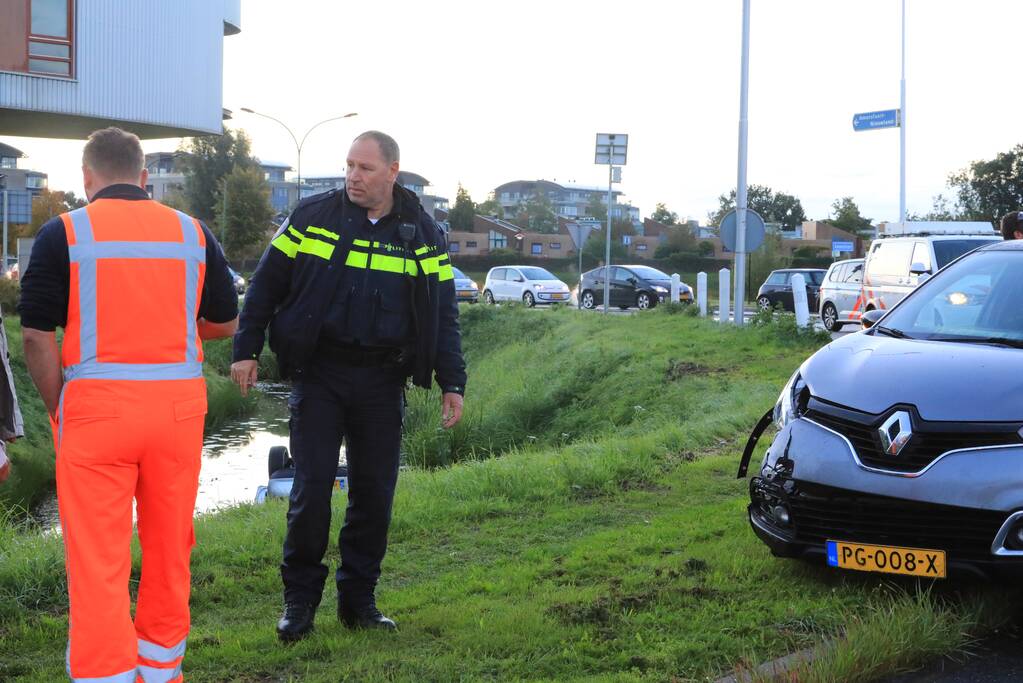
366 616
297 621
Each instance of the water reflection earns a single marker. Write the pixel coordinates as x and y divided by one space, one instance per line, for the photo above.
234 457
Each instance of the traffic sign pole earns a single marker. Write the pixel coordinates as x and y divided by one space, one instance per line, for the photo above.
902 124
741 197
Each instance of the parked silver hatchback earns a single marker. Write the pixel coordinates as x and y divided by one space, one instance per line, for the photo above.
841 296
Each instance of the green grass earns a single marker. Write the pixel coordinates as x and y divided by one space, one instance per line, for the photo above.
620 552
32 458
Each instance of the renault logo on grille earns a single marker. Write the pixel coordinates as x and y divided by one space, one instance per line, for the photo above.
895 433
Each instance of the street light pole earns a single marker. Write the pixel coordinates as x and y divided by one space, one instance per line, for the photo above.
902 125
741 197
299 145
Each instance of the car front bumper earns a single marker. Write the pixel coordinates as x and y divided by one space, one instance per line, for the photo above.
965 503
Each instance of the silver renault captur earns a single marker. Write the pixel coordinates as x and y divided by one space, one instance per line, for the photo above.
899 448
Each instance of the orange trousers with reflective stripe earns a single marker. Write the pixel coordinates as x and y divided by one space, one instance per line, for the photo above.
118 441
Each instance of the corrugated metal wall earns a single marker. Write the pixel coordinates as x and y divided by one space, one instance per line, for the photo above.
149 61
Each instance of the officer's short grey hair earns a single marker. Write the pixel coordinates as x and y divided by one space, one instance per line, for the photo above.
388 146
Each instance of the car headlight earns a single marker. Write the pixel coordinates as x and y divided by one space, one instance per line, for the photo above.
474 285
789 407
660 290
537 286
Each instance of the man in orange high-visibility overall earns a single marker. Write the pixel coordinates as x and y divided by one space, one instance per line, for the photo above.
136 286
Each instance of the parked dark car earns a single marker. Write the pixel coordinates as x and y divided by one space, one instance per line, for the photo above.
640 286
777 288
898 449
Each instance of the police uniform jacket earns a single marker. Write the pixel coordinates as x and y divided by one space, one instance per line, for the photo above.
300 287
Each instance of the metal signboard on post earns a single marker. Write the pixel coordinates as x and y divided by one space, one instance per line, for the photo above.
755 230
579 233
611 149
872 120
839 246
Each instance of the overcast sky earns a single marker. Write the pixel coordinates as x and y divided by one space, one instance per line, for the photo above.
482 93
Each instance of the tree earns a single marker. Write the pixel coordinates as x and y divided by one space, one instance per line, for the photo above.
461 214
662 215
941 210
593 250
491 207
680 240
705 248
209 159
49 204
596 208
846 215
770 256
249 211
773 207
987 190
537 214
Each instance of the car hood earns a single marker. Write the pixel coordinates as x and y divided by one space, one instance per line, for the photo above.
548 284
463 283
944 380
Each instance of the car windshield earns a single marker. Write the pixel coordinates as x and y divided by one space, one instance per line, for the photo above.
648 273
975 300
459 275
947 251
531 273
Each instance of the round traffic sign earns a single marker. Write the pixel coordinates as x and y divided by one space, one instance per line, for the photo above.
754 230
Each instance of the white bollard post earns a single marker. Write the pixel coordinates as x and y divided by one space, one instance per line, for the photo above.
676 285
724 284
701 292
799 299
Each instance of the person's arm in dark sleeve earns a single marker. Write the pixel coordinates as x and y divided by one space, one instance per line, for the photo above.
43 307
450 365
45 283
218 308
268 287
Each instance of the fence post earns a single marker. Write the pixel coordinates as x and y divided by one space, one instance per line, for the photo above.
799 300
701 292
676 285
724 285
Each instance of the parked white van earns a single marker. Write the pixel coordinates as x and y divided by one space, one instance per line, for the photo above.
904 253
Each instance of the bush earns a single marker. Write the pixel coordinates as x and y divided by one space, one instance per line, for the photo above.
10 292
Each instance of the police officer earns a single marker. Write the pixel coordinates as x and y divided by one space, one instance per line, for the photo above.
358 293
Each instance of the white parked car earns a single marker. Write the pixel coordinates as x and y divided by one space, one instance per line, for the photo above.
529 284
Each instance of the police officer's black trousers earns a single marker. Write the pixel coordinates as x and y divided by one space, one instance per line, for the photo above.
365 406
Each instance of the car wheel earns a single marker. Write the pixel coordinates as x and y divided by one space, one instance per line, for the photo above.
764 303
588 300
829 316
277 460
488 297
528 300
643 301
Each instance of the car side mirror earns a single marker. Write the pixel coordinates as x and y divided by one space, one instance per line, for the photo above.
871 317
633 281
919 268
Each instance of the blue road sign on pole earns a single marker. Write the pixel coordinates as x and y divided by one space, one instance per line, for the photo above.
870 120
842 246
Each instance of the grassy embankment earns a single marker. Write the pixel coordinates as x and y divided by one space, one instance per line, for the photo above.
32 457
605 540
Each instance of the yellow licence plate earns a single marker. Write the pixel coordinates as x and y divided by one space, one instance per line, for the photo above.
887 559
